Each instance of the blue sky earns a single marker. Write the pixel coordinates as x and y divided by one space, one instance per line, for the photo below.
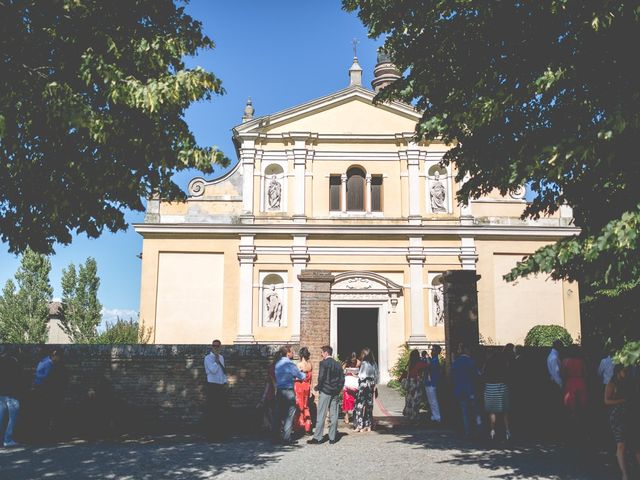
278 53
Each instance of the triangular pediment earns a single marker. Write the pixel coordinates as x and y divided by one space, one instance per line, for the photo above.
349 111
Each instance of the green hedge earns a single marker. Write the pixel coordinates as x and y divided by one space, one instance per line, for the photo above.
544 335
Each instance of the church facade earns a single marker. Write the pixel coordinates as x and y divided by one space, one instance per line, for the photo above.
338 184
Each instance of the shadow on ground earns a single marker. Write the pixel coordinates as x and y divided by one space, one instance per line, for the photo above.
168 456
510 460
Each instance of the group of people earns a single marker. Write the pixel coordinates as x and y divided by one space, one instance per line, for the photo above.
42 394
619 391
288 398
420 381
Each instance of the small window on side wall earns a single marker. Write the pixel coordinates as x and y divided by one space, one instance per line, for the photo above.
376 193
334 192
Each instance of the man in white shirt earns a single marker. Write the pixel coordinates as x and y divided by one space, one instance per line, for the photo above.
215 392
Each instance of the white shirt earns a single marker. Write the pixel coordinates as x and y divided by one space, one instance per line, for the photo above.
213 370
368 370
605 370
553 366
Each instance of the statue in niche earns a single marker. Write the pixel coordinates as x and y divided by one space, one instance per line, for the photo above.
438 194
438 305
273 307
274 193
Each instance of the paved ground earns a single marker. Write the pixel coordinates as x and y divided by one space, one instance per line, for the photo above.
393 451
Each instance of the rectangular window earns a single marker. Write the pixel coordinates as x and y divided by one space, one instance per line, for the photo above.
334 192
376 193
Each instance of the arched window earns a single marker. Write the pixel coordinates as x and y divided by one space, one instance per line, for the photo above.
355 189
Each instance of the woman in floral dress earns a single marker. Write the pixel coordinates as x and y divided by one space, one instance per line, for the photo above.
367 380
414 396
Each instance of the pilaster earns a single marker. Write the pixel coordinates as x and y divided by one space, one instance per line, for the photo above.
299 259
413 164
247 157
368 194
416 259
247 257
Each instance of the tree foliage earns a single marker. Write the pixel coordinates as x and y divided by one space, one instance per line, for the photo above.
24 311
124 332
539 93
92 101
81 309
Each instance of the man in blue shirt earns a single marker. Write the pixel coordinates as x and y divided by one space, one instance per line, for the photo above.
465 374
286 374
431 381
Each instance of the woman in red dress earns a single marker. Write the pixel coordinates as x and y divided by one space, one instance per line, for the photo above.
573 373
302 389
351 368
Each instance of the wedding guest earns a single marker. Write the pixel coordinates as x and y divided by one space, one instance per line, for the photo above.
350 390
616 397
414 386
267 401
215 393
465 374
431 382
330 383
367 381
11 390
302 389
573 372
286 373
496 390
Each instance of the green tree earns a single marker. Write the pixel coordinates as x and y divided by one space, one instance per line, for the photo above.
81 309
545 94
124 332
24 313
92 102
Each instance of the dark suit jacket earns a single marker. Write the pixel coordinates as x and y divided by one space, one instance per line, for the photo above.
330 377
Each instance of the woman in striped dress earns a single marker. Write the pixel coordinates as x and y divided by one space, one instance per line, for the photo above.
496 391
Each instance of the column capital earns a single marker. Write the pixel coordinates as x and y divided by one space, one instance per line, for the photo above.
247 257
468 256
416 259
300 156
299 258
248 155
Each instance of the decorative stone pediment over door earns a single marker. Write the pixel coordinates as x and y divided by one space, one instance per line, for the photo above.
365 286
361 289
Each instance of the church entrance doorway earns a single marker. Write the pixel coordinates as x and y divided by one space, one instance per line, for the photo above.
357 328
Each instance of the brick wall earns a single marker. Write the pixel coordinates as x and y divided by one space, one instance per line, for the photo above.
315 311
153 387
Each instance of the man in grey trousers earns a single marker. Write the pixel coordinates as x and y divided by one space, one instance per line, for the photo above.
330 383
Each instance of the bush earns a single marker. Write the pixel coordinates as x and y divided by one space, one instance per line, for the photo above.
124 332
544 335
399 368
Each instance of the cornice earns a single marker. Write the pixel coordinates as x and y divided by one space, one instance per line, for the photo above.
151 229
322 103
